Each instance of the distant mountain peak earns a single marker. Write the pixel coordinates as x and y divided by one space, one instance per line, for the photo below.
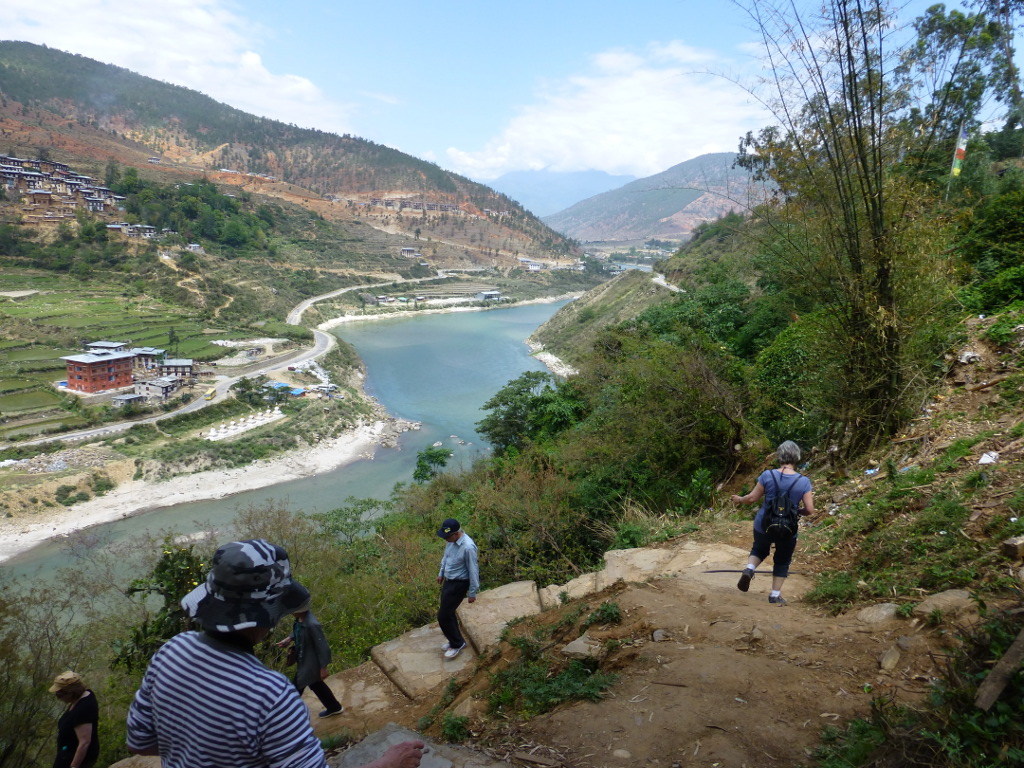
545 191
667 205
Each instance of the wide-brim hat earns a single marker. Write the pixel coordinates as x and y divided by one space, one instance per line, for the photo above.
246 587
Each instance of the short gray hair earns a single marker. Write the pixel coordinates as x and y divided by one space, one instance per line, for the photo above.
788 453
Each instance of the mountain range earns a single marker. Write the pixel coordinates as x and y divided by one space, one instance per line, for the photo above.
668 205
82 111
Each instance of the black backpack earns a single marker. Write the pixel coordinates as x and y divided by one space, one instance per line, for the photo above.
781 513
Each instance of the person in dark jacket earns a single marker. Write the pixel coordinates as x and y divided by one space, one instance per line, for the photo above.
312 653
77 743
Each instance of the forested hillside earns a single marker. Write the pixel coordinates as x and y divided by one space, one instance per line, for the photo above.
76 105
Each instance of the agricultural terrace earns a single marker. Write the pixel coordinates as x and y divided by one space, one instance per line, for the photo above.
56 319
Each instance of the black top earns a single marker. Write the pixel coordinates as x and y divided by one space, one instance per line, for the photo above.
86 710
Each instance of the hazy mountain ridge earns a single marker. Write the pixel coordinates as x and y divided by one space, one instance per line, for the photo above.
667 205
89 109
546 192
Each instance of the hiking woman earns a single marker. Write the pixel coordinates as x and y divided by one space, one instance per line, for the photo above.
77 744
772 483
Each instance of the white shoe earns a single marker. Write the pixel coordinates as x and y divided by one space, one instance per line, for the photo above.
451 653
446 646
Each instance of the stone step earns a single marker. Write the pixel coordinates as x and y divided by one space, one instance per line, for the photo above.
415 663
435 755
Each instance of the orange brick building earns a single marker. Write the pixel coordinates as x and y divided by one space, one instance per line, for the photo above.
91 372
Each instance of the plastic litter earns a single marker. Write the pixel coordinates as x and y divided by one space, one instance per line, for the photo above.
871 471
989 457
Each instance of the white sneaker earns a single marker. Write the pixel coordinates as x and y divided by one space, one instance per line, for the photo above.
451 653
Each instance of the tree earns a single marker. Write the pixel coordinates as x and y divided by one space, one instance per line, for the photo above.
852 220
429 462
112 175
509 423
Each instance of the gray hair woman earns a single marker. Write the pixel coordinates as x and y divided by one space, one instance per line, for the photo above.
771 485
77 742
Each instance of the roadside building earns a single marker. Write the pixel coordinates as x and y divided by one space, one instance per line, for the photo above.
98 372
119 401
180 367
158 390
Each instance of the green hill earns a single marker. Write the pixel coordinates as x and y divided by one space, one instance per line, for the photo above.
70 103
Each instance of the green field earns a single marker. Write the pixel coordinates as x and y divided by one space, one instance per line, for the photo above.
25 401
66 314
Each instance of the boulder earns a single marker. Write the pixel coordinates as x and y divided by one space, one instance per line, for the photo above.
581 586
584 647
483 621
637 565
955 604
878 613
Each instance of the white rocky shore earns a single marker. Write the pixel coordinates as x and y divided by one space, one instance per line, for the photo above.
18 534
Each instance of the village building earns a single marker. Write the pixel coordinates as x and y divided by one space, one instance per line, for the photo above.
148 358
99 347
158 390
181 367
98 372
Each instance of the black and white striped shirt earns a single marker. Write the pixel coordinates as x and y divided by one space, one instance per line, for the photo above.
206 703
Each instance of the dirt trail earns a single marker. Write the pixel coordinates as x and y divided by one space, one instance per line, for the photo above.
737 682
708 676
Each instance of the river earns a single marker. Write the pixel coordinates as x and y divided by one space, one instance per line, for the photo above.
434 369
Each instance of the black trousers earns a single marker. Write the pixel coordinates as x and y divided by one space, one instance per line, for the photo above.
324 693
453 592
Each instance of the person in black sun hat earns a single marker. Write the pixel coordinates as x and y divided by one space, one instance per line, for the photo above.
207 700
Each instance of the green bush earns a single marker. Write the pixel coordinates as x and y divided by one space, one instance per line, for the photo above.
454 728
528 687
605 613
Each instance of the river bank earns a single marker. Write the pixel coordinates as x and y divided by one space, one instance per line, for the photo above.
449 306
21 531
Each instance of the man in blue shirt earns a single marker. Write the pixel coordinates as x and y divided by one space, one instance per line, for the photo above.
459 578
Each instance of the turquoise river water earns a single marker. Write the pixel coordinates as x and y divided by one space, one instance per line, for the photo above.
434 369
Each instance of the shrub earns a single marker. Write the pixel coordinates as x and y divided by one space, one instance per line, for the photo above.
454 728
605 613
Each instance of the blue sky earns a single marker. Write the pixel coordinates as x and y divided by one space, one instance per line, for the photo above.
480 88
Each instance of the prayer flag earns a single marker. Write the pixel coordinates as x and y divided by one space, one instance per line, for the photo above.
961 152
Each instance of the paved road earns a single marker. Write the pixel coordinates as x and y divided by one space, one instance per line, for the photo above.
322 344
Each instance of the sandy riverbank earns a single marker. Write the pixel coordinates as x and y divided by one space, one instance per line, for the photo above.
19 534
454 306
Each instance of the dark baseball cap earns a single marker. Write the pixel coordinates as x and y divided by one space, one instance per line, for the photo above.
247 586
448 527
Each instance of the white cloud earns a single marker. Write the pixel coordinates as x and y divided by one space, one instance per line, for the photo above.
199 44
636 113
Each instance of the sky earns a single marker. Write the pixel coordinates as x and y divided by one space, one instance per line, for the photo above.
480 88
